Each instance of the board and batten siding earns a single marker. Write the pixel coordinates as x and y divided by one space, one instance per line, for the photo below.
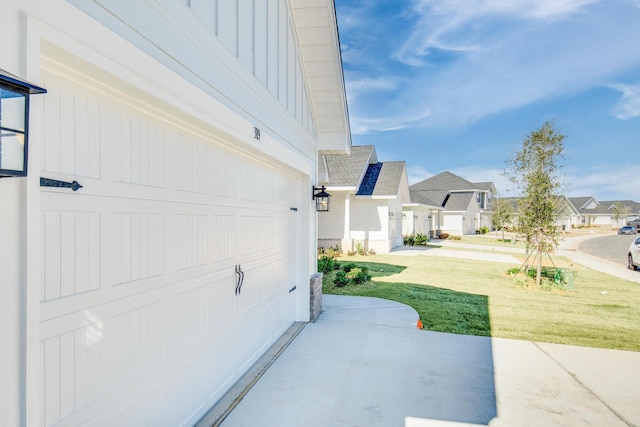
243 52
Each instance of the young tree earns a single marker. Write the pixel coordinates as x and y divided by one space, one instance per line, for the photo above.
502 214
534 171
621 212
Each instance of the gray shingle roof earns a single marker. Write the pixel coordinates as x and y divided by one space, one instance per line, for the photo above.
433 197
346 170
486 186
635 207
389 179
444 181
579 202
458 201
420 197
436 189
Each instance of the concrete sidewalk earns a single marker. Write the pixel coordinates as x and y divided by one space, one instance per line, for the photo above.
364 363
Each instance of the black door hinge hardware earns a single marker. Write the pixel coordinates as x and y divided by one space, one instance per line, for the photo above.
46 182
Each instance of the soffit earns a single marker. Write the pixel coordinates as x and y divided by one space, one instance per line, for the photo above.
317 31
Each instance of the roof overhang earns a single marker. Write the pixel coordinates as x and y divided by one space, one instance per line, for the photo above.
317 31
421 206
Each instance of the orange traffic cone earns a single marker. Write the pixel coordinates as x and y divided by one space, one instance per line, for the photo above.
419 325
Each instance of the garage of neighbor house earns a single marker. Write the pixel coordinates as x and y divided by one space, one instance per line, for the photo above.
143 296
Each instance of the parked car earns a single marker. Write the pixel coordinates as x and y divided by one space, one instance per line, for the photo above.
635 223
634 254
628 229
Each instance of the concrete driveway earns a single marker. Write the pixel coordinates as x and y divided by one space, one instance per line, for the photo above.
364 363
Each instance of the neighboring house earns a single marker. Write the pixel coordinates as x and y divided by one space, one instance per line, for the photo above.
606 214
421 216
567 216
466 206
366 200
194 128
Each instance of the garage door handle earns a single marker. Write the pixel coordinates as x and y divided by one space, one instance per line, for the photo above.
240 279
47 182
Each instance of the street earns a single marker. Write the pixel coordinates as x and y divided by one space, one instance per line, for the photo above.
612 248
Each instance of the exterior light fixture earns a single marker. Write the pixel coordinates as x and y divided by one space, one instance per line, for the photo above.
14 123
322 199
392 215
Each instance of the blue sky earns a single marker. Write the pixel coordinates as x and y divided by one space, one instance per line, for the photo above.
457 84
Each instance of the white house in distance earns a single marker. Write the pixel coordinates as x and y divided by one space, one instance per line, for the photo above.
604 214
193 128
366 200
421 216
466 205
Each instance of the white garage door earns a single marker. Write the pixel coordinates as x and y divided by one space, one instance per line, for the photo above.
143 321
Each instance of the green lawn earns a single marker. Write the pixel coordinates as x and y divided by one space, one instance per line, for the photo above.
479 298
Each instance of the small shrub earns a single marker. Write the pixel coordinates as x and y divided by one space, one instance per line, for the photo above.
360 248
421 239
484 230
327 264
371 252
333 251
455 238
341 280
358 275
348 266
409 240
444 235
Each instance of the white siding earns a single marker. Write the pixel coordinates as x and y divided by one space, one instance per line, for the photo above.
254 39
331 223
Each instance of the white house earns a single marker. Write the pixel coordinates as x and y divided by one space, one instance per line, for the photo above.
466 206
421 216
193 128
366 200
605 214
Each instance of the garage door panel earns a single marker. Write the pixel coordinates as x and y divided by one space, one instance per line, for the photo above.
191 248
220 302
137 246
71 241
222 242
74 121
137 149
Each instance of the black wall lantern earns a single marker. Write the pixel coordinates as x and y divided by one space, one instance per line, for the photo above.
322 199
14 123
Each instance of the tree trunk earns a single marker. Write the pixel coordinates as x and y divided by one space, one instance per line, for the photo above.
539 272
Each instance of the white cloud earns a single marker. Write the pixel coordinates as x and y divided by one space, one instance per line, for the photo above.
483 174
460 25
628 106
356 87
361 126
613 182
417 174
470 60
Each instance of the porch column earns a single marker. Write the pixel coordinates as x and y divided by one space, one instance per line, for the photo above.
346 235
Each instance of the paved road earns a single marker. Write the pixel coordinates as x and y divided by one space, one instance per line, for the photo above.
611 248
